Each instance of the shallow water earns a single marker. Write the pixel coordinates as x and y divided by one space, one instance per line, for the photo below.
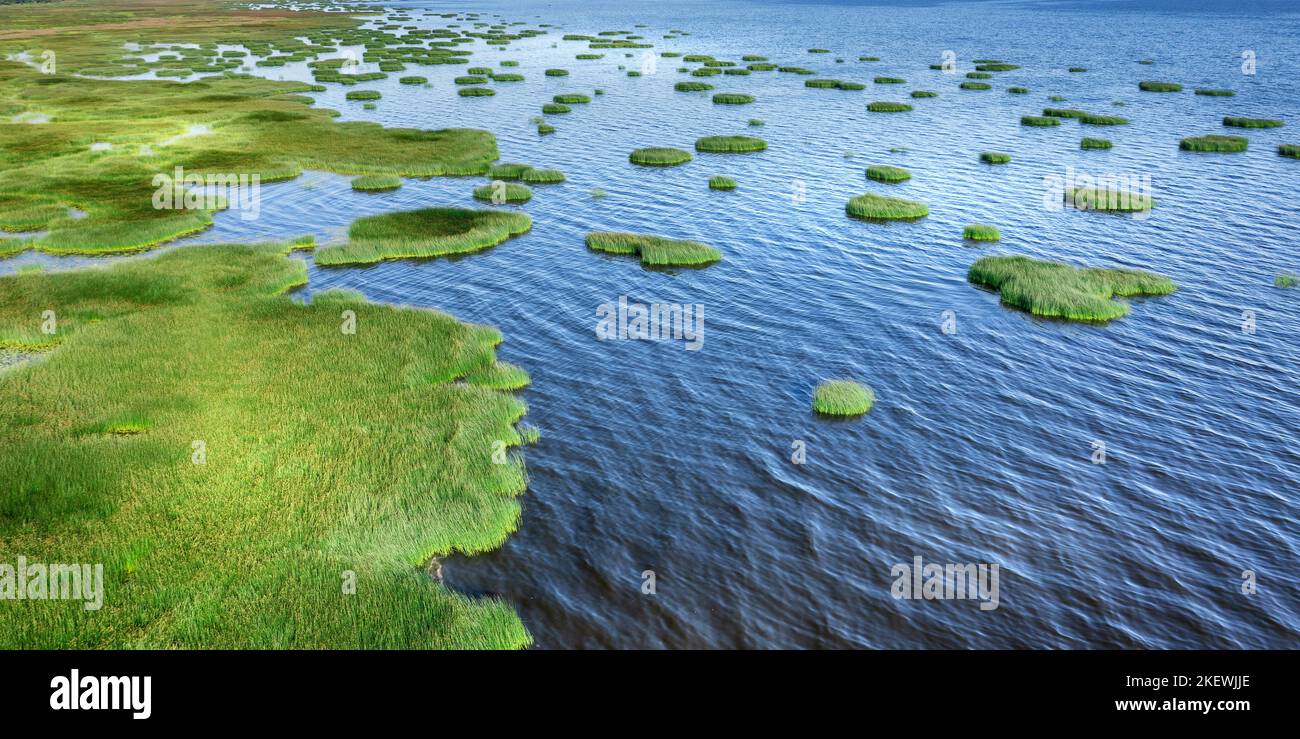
980 448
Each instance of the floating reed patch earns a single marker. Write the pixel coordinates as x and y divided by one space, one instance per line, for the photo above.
429 232
1214 92
981 232
1057 290
363 95
730 144
1109 199
994 157
659 156
1238 122
975 86
1018 90
535 176
655 251
885 106
889 81
1091 143
874 207
732 98
692 86
887 173
1289 150
503 192
376 183
571 99
1039 120
1157 86
413 80
1103 120
722 182
924 94
842 398
1214 143
555 108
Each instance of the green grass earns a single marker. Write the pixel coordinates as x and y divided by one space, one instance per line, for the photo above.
1065 113
1103 120
978 76
1156 86
1214 92
1039 120
834 84
557 73
756 122
692 86
1289 150
506 192
429 232
1109 200
1214 143
507 170
981 232
476 92
413 80
1018 90
555 108
471 79
363 95
507 77
659 156
535 176
879 208
706 72
842 398
889 80
1285 280
924 94
994 157
885 106
730 144
376 182
1238 122
1057 290
1091 143
722 182
655 251
887 173
1078 69
975 86
732 98
318 446
545 128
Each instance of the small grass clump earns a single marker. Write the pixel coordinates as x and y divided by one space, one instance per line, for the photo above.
470 79
1039 120
874 207
1108 200
887 173
1091 143
556 73
995 157
363 95
1157 86
730 144
885 106
756 122
376 183
975 86
889 81
535 176
824 84
1214 143
655 251
503 192
924 94
659 156
1057 290
476 92
842 398
1018 90
1214 92
692 86
413 80
507 171
419 234
1289 150
1285 280
722 182
1103 120
545 128
732 98
572 98
1065 113
981 232
1239 122
555 108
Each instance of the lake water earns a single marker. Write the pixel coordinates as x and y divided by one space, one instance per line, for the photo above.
983 442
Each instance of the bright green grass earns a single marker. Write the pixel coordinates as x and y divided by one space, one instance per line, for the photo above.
924 94
1214 92
1103 120
1039 120
504 192
507 77
692 86
376 182
975 86
476 92
557 73
1239 122
732 98
1091 143
994 157
655 251
318 464
730 144
659 156
429 232
889 80
470 79
722 182
879 208
1157 86
1285 280
842 398
887 173
1065 113
413 80
978 76
507 170
981 232
363 95
885 106
1059 290
1109 200
1289 150
535 176
1214 143
555 108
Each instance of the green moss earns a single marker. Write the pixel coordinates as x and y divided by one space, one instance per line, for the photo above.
692 86
659 156
1058 290
1289 150
879 208
503 192
1214 143
1237 122
732 98
886 173
1039 120
413 80
1156 86
975 86
1285 280
476 92
730 144
363 95
293 414
430 232
995 157
981 232
376 183
885 106
1091 143
924 94
722 182
1109 200
842 398
655 251
1213 92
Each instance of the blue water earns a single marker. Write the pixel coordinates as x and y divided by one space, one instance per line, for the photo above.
980 448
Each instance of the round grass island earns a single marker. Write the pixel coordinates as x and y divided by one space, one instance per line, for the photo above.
730 144
842 398
1058 290
376 183
659 156
424 233
872 207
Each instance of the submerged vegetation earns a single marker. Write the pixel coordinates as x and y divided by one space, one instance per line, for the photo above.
429 232
655 251
874 207
842 398
659 156
1058 290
